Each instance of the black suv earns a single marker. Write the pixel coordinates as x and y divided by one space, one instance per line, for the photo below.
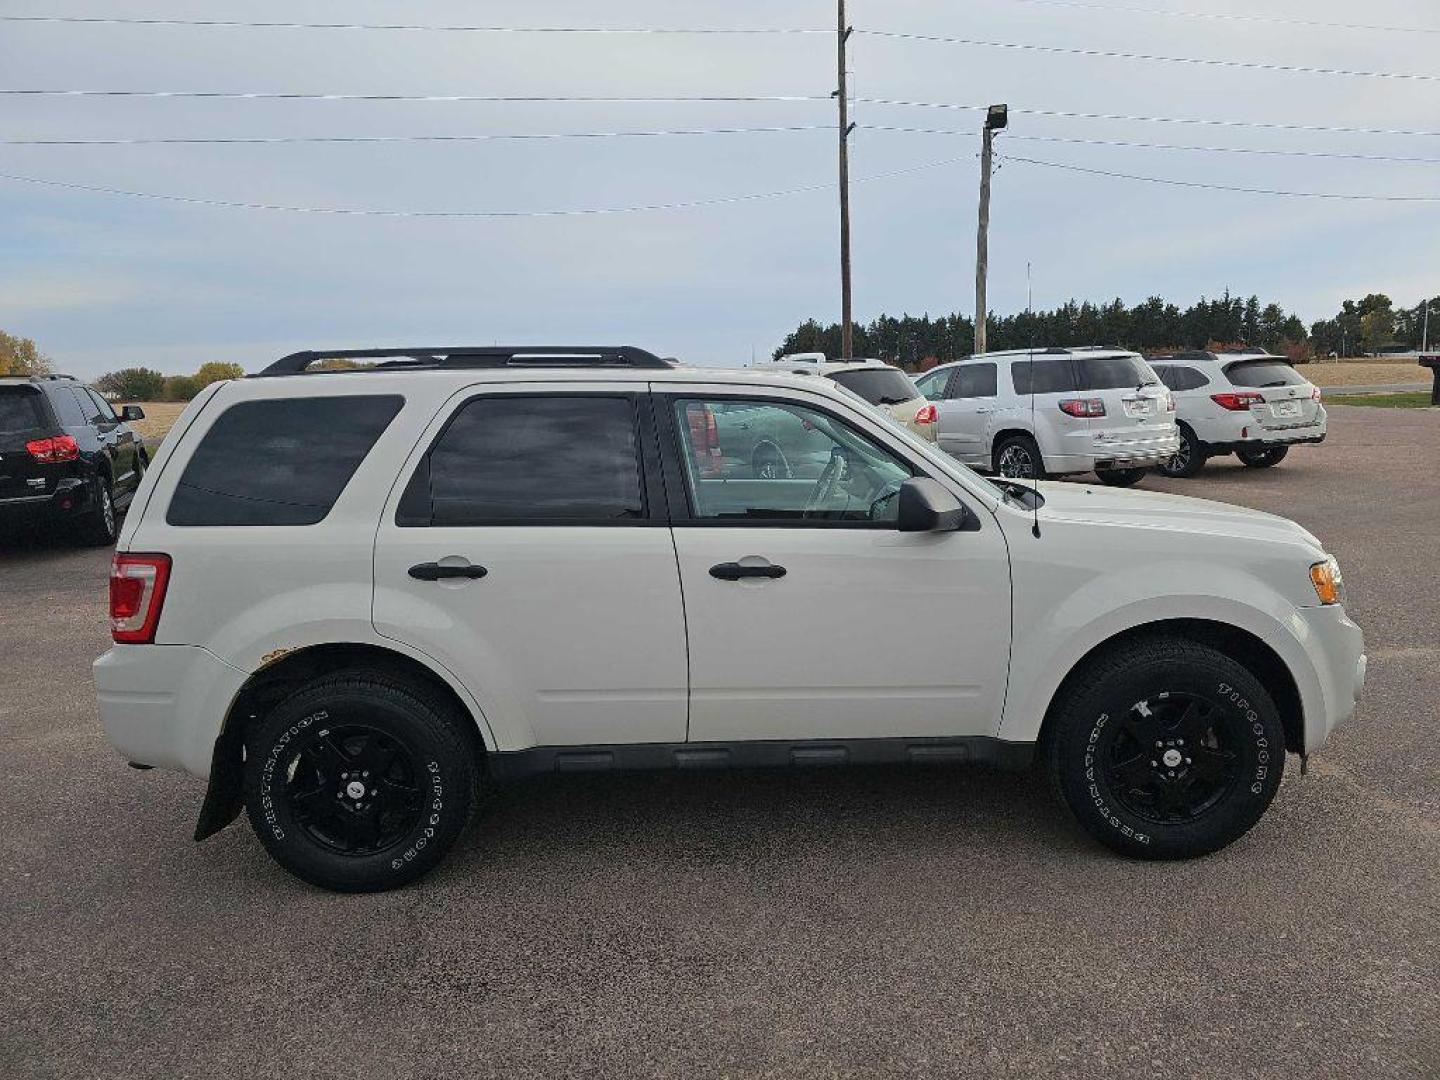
66 458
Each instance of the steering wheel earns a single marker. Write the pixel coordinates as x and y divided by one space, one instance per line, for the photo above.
825 484
887 492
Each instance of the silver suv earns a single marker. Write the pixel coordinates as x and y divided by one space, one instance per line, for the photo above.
1046 412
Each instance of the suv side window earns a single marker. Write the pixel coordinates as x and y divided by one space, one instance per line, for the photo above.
974 381
770 462
67 408
281 461
933 385
1190 379
512 459
103 414
1051 375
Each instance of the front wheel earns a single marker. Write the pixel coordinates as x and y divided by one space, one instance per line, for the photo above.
359 783
1121 477
1264 457
1167 749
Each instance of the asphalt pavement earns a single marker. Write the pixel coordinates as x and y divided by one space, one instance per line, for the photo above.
850 923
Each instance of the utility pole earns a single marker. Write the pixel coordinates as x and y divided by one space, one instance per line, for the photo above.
1425 333
847 337
996 118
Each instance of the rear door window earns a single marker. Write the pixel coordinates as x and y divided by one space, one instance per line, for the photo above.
103 411
974 381
67 407
1113 372
878 386
513 459
1045 374
282 461
1259 374
933 385
20 409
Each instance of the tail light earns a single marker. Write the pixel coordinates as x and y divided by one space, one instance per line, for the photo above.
1169 402
1315 393
926 414
137 592
60 448
1083 406
1237 402
704 438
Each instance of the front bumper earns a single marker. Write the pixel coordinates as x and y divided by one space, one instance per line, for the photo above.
164 705
1336 649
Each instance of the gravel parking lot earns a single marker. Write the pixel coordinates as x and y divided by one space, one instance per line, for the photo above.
833 923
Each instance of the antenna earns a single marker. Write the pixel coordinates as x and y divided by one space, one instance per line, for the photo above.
1030 310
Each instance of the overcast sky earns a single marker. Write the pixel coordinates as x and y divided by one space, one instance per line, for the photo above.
103 281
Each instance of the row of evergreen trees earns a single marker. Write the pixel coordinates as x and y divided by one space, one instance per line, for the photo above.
1152 326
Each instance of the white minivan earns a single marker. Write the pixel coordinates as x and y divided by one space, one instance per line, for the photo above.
355 600
1033 413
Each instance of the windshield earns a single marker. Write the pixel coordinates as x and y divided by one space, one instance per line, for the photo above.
1114 372
878 386
1263 373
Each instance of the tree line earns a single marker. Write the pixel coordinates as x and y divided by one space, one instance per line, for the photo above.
144 384
1151 327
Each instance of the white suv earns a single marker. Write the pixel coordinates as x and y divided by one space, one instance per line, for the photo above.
882 385
1251 404
1045 412
354 600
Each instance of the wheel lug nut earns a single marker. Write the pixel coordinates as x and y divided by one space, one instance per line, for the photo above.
1187 761
1154 764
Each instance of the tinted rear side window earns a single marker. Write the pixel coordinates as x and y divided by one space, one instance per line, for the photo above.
1113 372
279 462
1259 373
974 381
67 407
20 409
1052 375
510 459
878 386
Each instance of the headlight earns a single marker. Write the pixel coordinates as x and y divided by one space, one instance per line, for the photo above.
1329 585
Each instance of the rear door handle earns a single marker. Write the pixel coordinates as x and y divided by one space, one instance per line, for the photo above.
733 571
429 571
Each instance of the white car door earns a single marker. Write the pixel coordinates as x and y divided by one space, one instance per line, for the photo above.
809 615
525 547
967 414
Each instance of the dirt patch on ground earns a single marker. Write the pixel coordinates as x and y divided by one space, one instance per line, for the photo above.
1364 373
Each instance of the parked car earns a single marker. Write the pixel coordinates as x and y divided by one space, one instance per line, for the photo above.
882 385
1047 412
1248 403
490 567
67 461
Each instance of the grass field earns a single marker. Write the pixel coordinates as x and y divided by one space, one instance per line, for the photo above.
1382 401
159 416
1364 373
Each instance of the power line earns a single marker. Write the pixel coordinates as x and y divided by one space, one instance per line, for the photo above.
1065 114
1225 16
374 212
266 140
1111 54
245 24
285 95
1012 137
1223 187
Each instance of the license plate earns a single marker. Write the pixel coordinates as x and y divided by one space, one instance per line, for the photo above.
1139 407
1285 409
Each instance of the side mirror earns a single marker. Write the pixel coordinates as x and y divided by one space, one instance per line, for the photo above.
131 413
927 506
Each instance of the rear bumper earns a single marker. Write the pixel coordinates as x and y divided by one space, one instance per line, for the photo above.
164 705
71 496
1275 438
1118 454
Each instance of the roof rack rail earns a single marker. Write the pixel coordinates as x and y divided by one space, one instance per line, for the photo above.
475 356
50 376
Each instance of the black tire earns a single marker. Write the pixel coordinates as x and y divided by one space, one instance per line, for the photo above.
1117 749
346 831
1017 457
98 524
1263 458
1189 461
1121 477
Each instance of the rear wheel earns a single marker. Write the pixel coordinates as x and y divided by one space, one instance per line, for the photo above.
359 782
97 526
1017 457
1121 477
1167 749
1188 460
1263 458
